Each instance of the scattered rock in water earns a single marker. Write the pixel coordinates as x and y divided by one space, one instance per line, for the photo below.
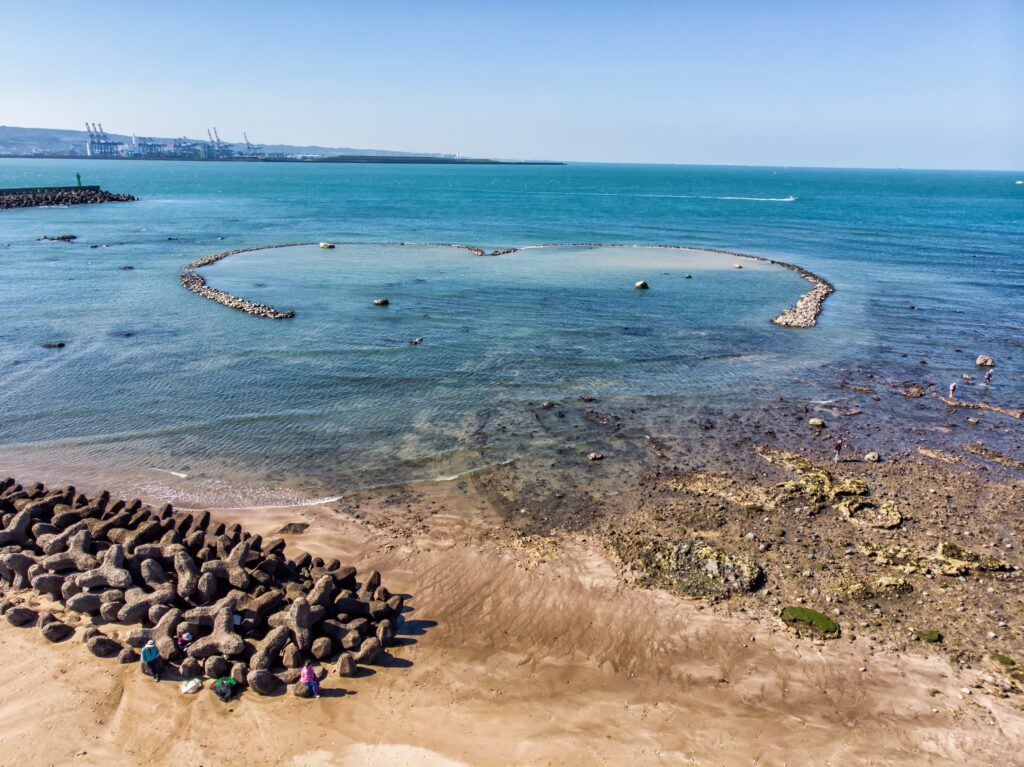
380 302
415 341
984 361
586 398
547 404
972 420
53 344
327 245
641 285
595 456
58 238
737 266
127 268
687 276
804 619
967 377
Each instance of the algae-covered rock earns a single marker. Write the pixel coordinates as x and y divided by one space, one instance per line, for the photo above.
692 568
811 621
880 587
1013 670
814 482
952 559
862 511
928 635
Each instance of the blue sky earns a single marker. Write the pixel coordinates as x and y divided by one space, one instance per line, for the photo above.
879 84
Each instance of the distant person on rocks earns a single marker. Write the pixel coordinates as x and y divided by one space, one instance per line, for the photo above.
837 449
308 678
952 390
151 660
183 641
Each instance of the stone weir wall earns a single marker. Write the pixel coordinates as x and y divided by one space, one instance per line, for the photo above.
193 281
31 197
119 574
803 314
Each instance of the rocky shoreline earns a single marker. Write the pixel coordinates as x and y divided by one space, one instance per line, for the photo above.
33 198
152 575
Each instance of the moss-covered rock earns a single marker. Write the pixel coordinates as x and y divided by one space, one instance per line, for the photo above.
811 621
928 635
1004 660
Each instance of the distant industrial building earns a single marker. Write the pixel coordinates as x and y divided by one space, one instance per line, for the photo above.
101 145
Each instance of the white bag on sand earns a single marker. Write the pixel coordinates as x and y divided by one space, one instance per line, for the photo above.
192 685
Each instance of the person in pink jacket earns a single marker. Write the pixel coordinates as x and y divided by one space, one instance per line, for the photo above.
308 678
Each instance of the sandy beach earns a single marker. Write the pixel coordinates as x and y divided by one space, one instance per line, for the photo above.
517 649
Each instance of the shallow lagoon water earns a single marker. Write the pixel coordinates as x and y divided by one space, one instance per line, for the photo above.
337 398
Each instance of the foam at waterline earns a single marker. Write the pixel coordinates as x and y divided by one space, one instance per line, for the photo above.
335 498
178 474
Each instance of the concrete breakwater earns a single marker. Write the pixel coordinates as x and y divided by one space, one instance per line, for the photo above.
119 574
193 281
31 197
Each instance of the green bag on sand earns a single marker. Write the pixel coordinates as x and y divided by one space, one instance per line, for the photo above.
224 688
192 685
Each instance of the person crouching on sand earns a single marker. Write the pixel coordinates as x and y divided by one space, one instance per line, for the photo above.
151 660
308 678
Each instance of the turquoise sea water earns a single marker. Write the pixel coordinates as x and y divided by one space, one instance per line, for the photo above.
154 378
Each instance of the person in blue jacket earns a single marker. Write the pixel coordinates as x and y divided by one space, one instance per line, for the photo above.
151 660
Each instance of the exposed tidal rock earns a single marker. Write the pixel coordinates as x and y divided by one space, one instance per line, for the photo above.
693 568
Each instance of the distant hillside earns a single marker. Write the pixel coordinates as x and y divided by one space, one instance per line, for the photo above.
21 141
